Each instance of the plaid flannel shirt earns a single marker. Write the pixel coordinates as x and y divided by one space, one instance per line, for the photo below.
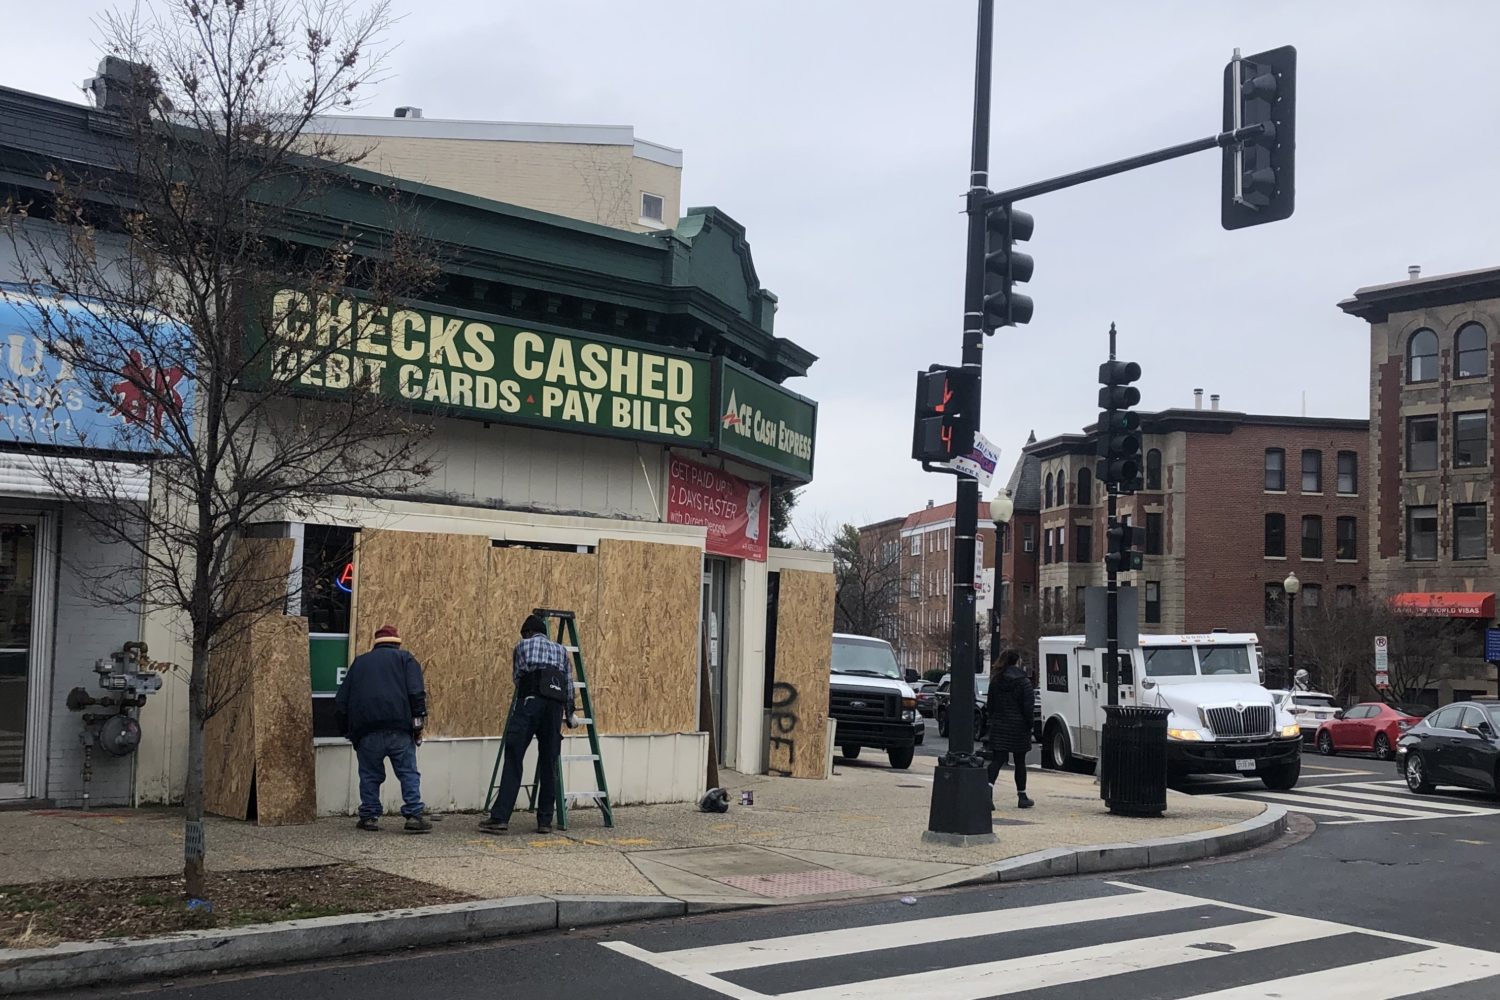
537 652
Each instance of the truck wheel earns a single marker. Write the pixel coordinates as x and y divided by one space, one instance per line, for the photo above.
1282 777
850 753
901 757
1056 754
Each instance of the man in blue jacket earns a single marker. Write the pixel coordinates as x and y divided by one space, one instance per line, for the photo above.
381 708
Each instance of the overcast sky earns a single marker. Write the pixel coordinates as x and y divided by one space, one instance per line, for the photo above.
838 133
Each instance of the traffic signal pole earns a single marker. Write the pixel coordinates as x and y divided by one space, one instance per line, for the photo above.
960 810
1112 582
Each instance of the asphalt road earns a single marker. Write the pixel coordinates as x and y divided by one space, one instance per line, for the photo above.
1372 903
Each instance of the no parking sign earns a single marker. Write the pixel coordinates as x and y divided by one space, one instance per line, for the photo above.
1382 661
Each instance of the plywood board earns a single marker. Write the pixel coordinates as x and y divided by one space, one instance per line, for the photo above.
804 654
436 590
523 580
645 677
285 791
229 734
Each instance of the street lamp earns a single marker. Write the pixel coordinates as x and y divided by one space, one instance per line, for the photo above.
1001 509
1292 586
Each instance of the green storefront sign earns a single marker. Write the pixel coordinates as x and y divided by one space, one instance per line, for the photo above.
462 364
328 656
762 423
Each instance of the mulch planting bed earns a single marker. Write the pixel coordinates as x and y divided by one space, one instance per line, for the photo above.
44 913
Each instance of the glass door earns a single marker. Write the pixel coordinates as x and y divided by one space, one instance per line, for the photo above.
17 592
715 578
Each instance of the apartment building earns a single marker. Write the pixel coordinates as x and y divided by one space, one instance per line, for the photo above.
1231 503
1434 526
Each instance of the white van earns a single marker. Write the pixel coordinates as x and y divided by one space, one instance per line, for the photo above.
1222 720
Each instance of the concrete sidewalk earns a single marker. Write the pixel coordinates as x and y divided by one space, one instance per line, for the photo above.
858 833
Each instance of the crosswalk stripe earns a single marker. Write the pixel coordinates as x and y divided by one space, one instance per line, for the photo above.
856 940
1382 979
1016 975
1458 808
1300 800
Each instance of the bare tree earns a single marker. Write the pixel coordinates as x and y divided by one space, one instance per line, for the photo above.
170 291
610 186
867 582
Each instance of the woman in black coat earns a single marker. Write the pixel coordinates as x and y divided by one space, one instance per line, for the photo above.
1010 706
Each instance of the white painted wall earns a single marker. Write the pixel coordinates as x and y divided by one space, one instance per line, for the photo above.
640 770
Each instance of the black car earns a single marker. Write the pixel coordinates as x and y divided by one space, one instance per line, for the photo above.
1455 745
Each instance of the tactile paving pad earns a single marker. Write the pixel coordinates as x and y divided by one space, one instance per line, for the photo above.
801 883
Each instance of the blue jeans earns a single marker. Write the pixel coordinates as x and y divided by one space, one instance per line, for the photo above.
372 751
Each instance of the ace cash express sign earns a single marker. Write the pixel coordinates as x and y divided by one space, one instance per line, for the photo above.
465 365
736 513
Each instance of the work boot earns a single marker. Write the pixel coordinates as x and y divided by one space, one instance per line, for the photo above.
368 823
544 828
418 824
490 826
1023 801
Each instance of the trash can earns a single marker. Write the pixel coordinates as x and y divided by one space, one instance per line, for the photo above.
1133 760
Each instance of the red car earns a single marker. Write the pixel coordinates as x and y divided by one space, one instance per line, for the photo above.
1369 727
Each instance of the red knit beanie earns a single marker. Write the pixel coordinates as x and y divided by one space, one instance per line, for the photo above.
387 634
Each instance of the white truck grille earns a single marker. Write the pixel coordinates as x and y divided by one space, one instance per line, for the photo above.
1251 720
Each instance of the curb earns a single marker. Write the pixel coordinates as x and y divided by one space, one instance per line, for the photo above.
90 963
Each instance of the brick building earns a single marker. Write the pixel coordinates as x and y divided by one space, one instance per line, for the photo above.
1435 516
1232 502
921 630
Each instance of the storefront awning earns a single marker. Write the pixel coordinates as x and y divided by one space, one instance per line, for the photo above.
1446 605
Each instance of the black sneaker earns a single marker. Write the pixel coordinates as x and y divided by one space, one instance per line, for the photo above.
368 823
418 824
544 828
490 826
1023 801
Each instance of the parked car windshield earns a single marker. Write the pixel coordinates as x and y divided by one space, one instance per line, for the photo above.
1494 714
865 658
1220 660
1170 661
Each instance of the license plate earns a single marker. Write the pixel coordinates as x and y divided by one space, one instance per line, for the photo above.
1244 765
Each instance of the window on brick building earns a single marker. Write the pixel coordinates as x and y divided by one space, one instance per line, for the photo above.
1348 473
1047 545
1153 602
1421 357
1421 534
1421 444
916 545
1275 608
1312 471
1346 539
1078 601
1153 469
916 585
1312 537
1062 545
1312 595
1062 488
1046 604
1470 438
1275 470
1028 537
1344 595
1276 535
1083 543
1085 487
1047 492
1154 532
1468 531
1057 603
1471 351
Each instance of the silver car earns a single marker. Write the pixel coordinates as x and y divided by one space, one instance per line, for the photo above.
1310 708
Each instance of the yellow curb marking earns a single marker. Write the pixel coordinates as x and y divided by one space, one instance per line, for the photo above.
633 841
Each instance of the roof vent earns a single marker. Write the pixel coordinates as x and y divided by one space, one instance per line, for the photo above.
1414 272
929 505
114 87
406 111
1197 399
1213 401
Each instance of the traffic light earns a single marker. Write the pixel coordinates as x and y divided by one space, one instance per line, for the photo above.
1005 267
1259 171
946 418
1123 545
1119 426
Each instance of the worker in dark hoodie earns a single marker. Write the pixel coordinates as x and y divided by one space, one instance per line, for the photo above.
381 708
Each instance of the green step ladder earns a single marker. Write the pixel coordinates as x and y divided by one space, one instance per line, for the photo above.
567 637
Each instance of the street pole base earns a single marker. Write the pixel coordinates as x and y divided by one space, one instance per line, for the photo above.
961 814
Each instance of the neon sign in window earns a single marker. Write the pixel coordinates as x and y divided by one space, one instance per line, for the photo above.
345 580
